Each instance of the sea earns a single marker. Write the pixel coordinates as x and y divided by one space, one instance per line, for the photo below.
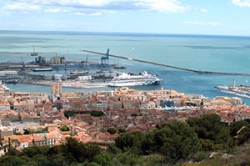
199 52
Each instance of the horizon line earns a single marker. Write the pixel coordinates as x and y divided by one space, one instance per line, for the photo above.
128 33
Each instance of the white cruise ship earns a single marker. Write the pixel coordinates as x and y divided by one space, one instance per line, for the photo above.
126 79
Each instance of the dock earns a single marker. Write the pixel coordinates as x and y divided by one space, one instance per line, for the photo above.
169 66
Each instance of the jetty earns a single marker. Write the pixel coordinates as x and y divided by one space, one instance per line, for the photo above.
169 66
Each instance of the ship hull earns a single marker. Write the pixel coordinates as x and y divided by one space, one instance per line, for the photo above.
134 80
42 69
134 84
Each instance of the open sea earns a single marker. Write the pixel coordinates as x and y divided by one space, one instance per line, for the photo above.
200 52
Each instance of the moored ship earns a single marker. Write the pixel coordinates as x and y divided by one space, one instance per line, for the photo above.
126 79
79 72
42 69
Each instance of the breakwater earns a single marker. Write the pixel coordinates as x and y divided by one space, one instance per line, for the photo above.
169 66
3 53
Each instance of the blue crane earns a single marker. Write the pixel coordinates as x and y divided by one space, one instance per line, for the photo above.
105 58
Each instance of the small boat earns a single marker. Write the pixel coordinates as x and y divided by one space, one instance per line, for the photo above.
42 69
119 67
79 72
34 53
12 81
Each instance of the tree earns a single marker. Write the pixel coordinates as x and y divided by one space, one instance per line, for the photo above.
111 130
64 128
240 131
131 141
96 113
92 151
75 151
174 140
34 150
78 152
210 127
121 130
103 159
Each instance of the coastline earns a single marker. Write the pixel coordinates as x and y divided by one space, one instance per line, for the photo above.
67 84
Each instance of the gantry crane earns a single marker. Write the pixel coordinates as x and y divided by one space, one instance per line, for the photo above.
105 58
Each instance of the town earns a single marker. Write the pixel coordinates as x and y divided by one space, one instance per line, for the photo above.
38 119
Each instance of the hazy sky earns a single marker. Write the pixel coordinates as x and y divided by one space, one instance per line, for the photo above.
218 17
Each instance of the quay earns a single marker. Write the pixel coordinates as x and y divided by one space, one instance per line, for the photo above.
169 66
67 84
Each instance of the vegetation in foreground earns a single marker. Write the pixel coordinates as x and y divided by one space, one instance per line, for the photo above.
171 143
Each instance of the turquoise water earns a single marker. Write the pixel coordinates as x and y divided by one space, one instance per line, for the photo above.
212 53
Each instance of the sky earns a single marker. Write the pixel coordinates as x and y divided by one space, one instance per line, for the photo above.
213 17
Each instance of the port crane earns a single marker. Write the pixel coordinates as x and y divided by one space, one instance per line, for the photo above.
34 53
105 58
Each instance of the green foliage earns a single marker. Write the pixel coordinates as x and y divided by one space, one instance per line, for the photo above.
169 143
213 133
86 163
79 152
111 130
91 151
121 130
153 159
12 160
113 149
35 150
240 131
132 141
127 158
57 159
67 114
64 128
26 131
175 140
96 113
103 158
236 126
13 152
199 156
32 163
133 115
